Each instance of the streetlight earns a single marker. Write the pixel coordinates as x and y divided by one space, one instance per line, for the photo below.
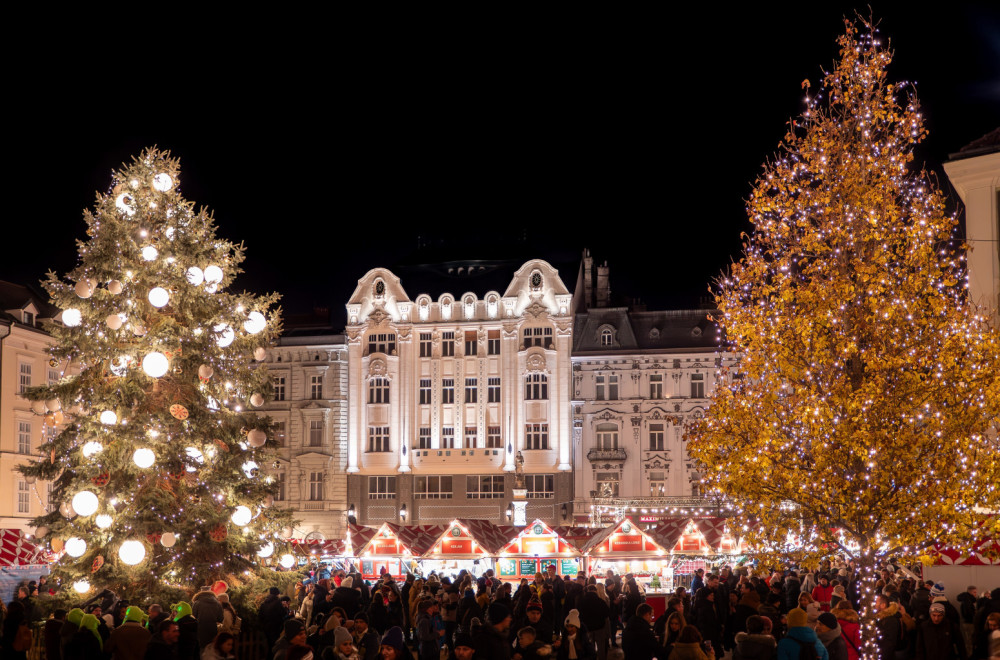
352 517
402 513
509 512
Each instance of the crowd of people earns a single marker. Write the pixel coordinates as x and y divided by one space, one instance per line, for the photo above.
741 613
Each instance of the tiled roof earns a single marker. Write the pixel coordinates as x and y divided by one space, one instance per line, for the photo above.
685 329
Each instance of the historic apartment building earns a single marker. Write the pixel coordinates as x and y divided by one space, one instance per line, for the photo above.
309 371
24 362
449 386
638 378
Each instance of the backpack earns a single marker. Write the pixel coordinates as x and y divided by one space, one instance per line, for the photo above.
807 651
22 641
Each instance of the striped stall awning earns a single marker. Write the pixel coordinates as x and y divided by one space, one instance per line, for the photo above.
15 550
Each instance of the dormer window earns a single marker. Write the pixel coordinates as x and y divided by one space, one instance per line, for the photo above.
446 308
28 318
492 304
469 302
607 337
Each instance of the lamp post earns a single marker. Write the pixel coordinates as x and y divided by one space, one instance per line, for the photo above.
402 513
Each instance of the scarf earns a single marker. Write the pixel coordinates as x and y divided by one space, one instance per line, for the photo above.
830 635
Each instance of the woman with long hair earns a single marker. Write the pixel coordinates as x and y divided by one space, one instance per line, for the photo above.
221 647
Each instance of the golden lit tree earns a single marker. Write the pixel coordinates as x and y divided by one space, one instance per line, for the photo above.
860 419
157 454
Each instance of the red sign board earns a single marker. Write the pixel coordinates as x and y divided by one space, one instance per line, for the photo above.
384 546
456 547
538 546
626 543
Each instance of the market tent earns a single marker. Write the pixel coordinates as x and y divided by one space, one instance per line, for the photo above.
358 537
578 537
669 532
15 550
984 550
470 539
319 547
624 539
538 539
395 540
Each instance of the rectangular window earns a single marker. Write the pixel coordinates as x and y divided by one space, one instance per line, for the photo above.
24 437
448 437
279 433
656 437
493 440
382 343
536 387
378 438
612 387
23 503
279 388
536 436
493 342
316 387
29 318
280 479
540 486
424 437
471 390
316 433
697 386
657 484
470 437
656 386
425 391
494 390
485 487
448 390
381 488
426 344
316 486
432 488
600 387
447 344
378 390
25 381
607 436
471 342
53 375
537 337
607 484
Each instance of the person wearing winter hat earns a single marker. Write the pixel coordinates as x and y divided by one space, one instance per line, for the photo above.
187 643
463 648
294 634
393 647
129 640
343 645
799 635
939 637
829 632
69 628
491 639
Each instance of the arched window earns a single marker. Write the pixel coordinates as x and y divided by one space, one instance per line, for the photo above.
378 390
607 337
607 436
536 387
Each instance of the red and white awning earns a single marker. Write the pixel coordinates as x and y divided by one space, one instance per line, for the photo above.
15 550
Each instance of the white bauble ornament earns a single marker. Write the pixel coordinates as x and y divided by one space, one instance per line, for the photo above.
242 516
103 521
163 182
81 586
38 407
66 510
114 321
195 455
75 546
115 287
125 204
155 364
255 323
211 287
72 317
149 253
119 365
256 400
158 296
260 353
195 276
132 552
287 560
91 448
168 540
251 469
286 532
83 289
108 418
53 404
213 274
266 550
85 503
144 457
256 438
205 372
226 335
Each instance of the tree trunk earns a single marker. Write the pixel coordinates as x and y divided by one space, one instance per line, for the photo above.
867 577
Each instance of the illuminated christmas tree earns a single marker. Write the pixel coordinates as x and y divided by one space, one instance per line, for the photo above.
156 467
861 417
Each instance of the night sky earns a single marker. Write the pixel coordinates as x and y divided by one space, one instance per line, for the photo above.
638 137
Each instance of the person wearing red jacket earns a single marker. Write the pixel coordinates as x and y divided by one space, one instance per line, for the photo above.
822 593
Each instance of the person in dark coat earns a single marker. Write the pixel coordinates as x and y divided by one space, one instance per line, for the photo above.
163 645
633 598
594 614
889 624
638 640
394 610
11 624
468 609
187 643
53 645
754 644
706 617
490 639
156 616
69 628
831 635
378 615
792 589
939 638
347 597
271 615
207 609
920 602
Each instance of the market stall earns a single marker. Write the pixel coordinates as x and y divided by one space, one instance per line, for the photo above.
394 549
469 544
20 562
696 543
955 568
534 549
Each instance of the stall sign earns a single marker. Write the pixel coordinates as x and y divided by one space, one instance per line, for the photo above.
569 567
689 543
546 563
367 567
507 567
456 547
626 542
528 567
538 546
384 546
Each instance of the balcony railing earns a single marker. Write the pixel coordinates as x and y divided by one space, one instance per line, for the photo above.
597 454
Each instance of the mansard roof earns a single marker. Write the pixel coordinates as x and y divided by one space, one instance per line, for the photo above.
664 330
987 144
18 297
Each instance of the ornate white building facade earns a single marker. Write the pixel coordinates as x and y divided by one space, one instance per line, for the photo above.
445 392
309 410
639 378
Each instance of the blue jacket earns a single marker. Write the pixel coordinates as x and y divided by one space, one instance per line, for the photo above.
788 647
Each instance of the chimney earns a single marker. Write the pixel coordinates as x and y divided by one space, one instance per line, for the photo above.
603 286
588 286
